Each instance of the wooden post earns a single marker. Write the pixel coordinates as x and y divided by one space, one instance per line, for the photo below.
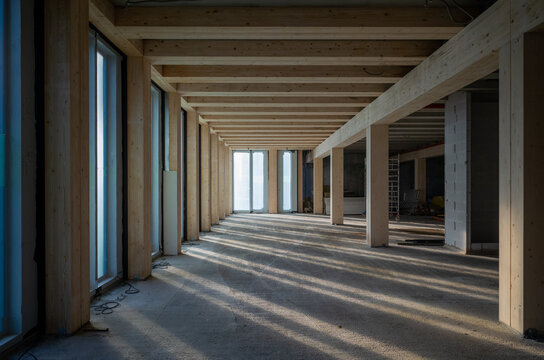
67 278
139 167
174 162
337 186
229 177
273 181
300 197
205 216
226 179
521 169
214 153
318 185
420 178
221 179
193 185
377 196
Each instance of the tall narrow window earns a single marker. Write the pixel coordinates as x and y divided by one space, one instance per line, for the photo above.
105 160
156 170
250 181
287 181
101 169
258 180
241 180
2 174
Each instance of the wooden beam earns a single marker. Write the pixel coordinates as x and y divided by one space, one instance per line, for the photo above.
438 76
357 23
266 147
337 186
431 151
66 157
318 186
232 111
272 180
205 186
283 74
102 15
297 90
277 118
290 52
261 101
218 126
158 79
193 169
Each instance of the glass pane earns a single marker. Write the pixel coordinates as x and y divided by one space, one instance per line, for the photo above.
286 181
241 181
155 168
101 189
2 171
258 180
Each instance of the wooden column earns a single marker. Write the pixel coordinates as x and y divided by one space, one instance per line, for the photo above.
420 178
214 153
174 164
229 179
226 179
205 215
521 169
377 195
273 181
337 186
66 165
139 167
300 197
221 180
318 185
193 183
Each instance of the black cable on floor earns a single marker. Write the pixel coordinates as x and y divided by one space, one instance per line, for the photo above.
161 265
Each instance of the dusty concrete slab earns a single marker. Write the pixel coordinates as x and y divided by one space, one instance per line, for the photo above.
295 287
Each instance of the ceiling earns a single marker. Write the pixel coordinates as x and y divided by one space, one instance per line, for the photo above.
271 76
365 3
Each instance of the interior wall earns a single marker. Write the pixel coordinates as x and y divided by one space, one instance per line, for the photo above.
471 171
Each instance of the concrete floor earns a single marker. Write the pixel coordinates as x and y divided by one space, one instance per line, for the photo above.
295 287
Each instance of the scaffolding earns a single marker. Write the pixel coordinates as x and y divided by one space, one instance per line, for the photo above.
394 187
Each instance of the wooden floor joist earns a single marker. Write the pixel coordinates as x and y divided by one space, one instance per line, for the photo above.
311 89
283 74
286 23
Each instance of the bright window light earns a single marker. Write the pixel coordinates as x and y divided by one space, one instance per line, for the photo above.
286 181
258 180
241 181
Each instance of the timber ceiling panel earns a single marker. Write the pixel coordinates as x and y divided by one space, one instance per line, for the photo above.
282 76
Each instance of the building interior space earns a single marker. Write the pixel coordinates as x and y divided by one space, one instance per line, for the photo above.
271 179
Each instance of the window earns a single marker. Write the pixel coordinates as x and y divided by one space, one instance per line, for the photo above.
105 160
250 181
2 176
157 166
287 181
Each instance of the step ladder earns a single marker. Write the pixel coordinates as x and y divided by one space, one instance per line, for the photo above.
394 187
